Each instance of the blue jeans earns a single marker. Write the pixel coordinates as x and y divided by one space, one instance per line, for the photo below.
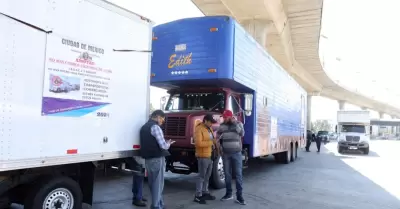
233 162
137 186
155 170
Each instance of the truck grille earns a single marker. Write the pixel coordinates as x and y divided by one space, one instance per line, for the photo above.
352 138
174 126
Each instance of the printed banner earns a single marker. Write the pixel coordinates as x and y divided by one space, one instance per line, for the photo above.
77 79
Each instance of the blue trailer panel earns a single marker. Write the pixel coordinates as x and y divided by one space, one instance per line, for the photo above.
279 101
216 51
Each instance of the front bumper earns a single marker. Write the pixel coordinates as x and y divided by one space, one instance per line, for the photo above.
353 145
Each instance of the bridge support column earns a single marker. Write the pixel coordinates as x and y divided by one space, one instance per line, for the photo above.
394 128
341 104
309 97
258 29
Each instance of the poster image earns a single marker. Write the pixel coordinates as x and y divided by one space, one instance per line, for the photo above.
77 79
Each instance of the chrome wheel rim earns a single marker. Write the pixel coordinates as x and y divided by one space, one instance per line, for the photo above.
60 198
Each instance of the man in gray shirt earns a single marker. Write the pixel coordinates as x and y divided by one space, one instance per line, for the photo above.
231 132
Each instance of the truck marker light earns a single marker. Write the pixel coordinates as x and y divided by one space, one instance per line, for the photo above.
212 70
136 146
213 29
154 38
72 151
153 75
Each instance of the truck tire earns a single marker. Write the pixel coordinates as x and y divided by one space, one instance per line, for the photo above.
5 203
53 193
295 152
339 149
217 180
366 151
286 156
293 156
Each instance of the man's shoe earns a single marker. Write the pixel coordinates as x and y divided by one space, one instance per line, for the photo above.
227 197
208 196
144 199
240 200
139 203
200 200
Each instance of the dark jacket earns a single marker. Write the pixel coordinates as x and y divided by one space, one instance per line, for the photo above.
149 147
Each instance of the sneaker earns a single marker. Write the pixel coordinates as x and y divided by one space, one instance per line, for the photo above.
240 200
227 197
139 203
199 200
208 196
144 199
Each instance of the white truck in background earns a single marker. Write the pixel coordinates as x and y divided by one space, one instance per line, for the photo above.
51 143
353 130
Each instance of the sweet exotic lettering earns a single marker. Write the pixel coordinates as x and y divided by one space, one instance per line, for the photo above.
182 60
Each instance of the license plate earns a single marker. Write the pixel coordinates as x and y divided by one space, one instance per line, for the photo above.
352 147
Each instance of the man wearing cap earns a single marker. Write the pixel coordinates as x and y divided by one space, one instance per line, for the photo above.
204 143
230 134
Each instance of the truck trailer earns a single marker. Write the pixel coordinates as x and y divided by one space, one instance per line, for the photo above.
211 64
354 130
52 142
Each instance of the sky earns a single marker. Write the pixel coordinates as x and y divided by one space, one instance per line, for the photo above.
360 33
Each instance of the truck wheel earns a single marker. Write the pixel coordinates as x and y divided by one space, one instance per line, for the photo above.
340 150
366 151
286 156
60 192
217 179
5 203
296 147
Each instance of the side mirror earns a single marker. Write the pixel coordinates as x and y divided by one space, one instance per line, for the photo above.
163 100
248 104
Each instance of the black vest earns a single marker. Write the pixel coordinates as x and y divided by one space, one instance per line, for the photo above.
149 147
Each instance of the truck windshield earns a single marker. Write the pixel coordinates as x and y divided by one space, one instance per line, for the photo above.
214 101
353 128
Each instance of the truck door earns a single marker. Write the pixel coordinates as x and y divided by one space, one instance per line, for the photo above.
234 106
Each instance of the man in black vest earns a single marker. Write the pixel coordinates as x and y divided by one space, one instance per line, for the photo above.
154 149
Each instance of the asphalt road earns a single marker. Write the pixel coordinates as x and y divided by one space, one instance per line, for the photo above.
325 180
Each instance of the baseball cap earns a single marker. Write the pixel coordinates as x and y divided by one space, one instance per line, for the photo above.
209 117
227 114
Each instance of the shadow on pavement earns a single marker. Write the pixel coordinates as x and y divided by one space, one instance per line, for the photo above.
314 181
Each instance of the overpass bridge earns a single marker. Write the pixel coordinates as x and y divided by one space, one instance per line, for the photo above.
290 32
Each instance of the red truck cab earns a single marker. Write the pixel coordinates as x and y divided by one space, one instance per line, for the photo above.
185 109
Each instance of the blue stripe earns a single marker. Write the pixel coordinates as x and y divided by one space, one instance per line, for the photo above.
78 112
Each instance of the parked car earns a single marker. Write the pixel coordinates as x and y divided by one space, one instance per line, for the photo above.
333 137
323 136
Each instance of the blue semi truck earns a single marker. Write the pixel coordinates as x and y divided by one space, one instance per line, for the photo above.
209 64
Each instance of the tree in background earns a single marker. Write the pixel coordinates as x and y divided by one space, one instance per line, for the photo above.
321 125
151 108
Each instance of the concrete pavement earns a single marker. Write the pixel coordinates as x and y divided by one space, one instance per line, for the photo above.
326 180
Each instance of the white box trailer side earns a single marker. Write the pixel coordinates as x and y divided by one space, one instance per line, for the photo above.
98 55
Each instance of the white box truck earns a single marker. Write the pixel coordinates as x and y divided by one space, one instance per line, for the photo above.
353 131
52 141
